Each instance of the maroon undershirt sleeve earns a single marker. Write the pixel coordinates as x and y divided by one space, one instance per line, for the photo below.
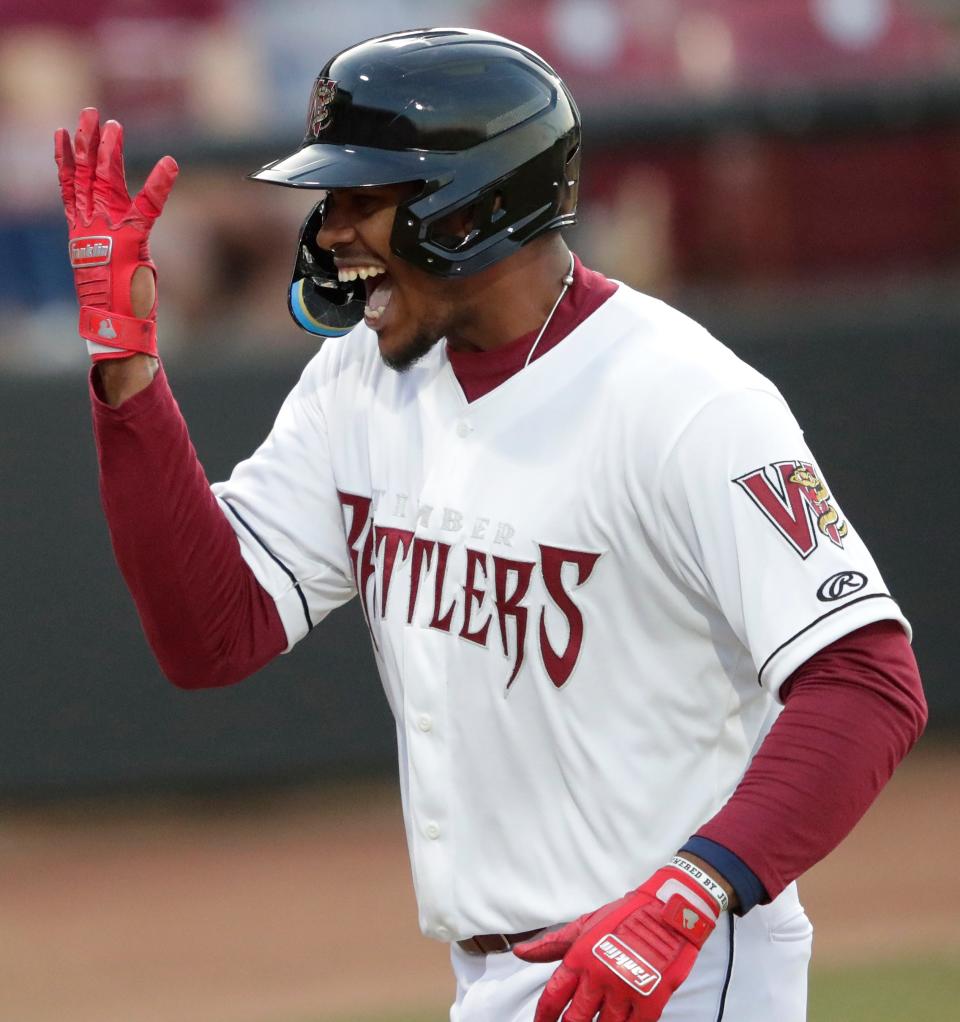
852 712
206 617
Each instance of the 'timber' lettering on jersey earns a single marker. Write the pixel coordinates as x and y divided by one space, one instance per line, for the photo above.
507 580
797 503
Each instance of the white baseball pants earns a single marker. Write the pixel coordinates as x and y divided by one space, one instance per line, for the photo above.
751 969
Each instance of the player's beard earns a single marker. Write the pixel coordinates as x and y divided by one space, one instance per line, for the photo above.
411 352
448 316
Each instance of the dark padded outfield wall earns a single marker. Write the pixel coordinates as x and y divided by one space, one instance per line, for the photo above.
83 706
84 709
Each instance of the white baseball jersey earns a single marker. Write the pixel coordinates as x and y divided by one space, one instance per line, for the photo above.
584 590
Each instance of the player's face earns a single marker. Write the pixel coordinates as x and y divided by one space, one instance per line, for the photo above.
408 309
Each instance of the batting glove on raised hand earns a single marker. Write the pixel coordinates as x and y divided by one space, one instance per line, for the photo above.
109 234
626 959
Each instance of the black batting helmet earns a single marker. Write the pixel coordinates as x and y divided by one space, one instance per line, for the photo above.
482 123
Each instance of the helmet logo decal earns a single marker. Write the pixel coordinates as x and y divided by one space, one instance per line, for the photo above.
318 115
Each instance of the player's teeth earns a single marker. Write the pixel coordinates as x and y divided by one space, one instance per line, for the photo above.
345 276
373 313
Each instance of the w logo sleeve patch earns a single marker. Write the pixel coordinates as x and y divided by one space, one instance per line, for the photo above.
796 502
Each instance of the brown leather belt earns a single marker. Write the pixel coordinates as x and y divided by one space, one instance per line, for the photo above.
495 943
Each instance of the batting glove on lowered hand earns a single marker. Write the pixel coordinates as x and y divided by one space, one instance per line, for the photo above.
109 234
626 959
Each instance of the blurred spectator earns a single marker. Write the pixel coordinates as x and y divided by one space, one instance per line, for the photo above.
140 61
226 255
629 234
42 70
296 37
619 46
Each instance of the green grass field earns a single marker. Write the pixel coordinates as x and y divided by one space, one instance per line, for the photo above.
919 991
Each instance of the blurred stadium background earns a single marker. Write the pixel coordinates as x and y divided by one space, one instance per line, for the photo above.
787 171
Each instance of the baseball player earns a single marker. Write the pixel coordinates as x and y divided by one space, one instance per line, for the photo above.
644 671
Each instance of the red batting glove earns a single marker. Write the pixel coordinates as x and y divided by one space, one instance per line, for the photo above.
627 956
109 234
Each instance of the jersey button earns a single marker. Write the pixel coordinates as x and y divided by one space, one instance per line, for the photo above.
433 831
463 429
424 722
443 932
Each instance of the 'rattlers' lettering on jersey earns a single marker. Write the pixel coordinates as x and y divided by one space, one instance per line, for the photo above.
505 579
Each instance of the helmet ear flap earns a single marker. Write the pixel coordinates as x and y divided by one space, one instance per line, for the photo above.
457 231
570 186
489 210
491 220
318 302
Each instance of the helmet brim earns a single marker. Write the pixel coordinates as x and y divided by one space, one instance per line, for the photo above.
337 166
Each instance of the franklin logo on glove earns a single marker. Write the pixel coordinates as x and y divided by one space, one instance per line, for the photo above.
627 964
90 251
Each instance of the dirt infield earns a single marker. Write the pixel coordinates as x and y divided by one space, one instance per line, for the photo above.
300 906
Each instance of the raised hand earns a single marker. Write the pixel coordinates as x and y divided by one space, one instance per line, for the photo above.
109 235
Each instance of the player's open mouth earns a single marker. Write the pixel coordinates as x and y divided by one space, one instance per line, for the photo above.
379 288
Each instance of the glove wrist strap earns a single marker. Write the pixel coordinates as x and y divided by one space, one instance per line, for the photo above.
119 333
695 873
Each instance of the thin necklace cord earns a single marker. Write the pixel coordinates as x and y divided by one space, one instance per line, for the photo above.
567 281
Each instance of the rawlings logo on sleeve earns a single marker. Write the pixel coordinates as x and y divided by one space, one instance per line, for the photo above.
841 585
795 500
